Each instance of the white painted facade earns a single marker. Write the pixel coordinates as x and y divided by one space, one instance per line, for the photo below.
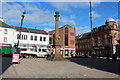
6 35
27 44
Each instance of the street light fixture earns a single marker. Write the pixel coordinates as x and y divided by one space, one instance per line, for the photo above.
23 15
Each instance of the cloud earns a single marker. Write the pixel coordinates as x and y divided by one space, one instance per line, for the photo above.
48 29
68 20
95 14
13 12
118 21
72 17
0 9
66 6
59 0
81 30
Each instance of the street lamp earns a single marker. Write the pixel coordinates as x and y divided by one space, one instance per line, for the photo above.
92 54
23 15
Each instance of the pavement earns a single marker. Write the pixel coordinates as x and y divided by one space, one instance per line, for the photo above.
42 68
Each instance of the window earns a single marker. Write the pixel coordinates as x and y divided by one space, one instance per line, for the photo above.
71 41
35 38
31 37
72 34
99 28
114 35
66 36
108 38
44 39
43 50
54 38
40 38
5 39
50 40
5 31
26 37
18 36
39 50
22 37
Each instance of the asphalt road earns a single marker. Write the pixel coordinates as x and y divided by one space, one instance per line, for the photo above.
42 68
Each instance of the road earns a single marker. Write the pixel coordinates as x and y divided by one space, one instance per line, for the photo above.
42 68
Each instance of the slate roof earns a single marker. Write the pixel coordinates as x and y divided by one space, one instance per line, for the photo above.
24 29
2 24
85 35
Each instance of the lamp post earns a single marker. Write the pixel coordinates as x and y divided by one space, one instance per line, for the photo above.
92 54
23 15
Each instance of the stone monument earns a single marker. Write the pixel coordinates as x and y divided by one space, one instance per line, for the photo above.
57 55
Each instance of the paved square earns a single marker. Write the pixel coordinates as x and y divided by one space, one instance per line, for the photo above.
41 68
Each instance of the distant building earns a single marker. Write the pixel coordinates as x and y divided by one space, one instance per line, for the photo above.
67 40
104 39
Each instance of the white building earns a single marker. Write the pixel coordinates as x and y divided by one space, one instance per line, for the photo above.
6 34
31 38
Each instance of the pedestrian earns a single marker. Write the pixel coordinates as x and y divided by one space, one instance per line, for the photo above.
108 56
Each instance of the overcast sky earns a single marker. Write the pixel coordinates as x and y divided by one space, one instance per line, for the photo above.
41 14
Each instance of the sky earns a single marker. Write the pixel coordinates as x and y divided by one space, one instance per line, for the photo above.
75 14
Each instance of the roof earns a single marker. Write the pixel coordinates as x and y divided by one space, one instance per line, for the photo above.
110 20
85 35
2 24
66 25
24 29
60 28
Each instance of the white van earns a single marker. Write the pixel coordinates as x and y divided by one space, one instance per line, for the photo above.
42 52
39 52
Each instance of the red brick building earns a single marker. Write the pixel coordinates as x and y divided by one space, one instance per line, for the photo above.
105 39
67 40
83 44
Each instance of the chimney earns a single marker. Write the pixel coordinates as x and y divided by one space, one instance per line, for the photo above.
1 19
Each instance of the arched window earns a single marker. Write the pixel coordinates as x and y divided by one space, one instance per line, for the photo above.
54 38
66 36
108 38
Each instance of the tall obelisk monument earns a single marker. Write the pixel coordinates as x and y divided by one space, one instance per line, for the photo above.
57 39
57 44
